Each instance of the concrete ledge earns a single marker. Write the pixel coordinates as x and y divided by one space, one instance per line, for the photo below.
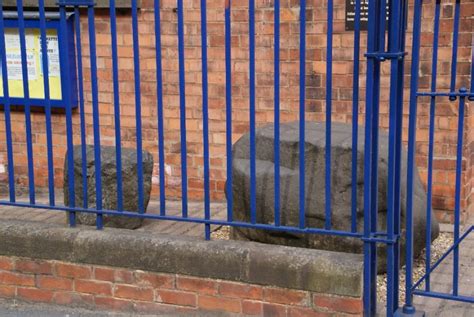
304 269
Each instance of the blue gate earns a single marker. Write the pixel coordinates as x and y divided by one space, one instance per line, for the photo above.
385 44
455 94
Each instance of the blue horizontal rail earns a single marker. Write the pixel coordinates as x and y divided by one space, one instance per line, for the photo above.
193 219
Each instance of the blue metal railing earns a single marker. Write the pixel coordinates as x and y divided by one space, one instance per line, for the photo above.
379 50
456 96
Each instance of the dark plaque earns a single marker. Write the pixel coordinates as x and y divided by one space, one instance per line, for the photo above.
364 14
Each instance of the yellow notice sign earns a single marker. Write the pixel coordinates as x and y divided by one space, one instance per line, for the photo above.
34 64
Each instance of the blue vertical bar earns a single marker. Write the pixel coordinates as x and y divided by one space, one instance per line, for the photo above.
355 115
47 99
6 109
80 78
408 307
327 222
182 112
95 116
302 112
382 18
398 153
65 88
159 93
228 108
205 119
368 249
394 47
26 93
379 17
429 191
253 169
276 120
138 106
118 143
457 197
454 60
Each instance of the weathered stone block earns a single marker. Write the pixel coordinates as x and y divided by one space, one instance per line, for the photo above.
109 184
341 184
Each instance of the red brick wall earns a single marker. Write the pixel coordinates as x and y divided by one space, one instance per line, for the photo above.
125 290
445 123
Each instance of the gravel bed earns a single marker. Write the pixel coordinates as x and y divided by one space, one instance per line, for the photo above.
438 248
221 233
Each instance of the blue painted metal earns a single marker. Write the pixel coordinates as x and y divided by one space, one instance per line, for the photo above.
95 117
118 136
302 190
182 110
408 307
434 68
241 224
355 115
444 256
398 153
76 3
205 120
454 59
138 107
49 137
26 94
369 247
327 191
394 46
228 108
253 163
457 194
159 93
32 21
6 109
65 80
276 111
434 95
85 194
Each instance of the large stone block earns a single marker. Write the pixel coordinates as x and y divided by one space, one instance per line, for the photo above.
109 184
341 184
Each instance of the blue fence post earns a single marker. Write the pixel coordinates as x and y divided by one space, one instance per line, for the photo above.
159 93
65 87
276 119
228 108
408 307
6 109
205 120
49 137
118 136
434 70
302 114
26 94
95 115
369 245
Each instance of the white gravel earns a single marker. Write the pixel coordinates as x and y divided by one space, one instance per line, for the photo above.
438 248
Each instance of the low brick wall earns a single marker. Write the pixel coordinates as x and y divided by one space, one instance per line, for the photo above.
102 287
53 264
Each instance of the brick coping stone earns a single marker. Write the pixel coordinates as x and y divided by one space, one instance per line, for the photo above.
325 272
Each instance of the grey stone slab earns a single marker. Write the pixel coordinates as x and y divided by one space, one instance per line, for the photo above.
306 269
315 188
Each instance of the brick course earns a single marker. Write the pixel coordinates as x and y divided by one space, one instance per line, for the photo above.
446 112
184 294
